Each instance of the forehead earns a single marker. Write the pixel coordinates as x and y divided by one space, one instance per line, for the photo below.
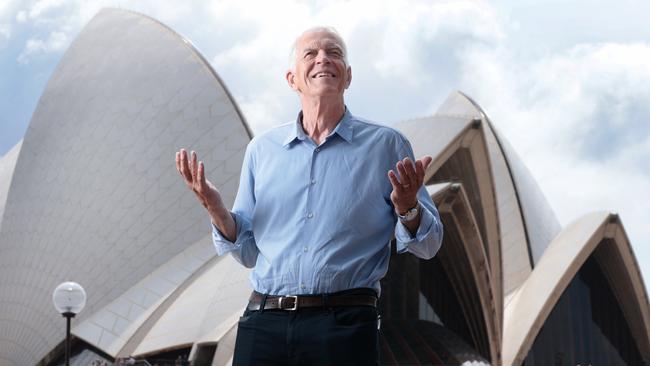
318 39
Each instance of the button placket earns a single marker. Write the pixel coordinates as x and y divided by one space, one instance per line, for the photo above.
309 216
312 182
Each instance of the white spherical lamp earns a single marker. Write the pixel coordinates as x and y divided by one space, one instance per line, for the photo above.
69 298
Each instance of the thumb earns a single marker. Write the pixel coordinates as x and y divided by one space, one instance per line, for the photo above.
426 160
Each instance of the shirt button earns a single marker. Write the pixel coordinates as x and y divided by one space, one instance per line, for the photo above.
313 181
304 249
310 215
317 149
302 286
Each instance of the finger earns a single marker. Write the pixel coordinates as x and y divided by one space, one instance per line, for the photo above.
402 174
419 172
178 161
394 182
185 169
405 177
426 161
194 167
410 173
201 176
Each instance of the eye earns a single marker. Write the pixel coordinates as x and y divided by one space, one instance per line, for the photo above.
335 52
309 54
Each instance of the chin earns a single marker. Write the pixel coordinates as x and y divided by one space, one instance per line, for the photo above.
325 92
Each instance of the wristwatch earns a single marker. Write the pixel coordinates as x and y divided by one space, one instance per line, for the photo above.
410 214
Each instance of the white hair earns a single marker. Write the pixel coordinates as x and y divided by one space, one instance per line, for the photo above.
331 31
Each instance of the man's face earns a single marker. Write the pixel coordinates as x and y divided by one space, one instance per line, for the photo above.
320 68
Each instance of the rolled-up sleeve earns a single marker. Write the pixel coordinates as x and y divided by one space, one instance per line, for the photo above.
244 249
428 239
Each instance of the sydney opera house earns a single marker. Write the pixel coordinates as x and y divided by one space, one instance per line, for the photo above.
91 195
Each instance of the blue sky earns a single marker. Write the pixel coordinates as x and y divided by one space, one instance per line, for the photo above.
568 83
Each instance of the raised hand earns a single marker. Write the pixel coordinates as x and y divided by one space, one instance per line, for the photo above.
193 173
406 186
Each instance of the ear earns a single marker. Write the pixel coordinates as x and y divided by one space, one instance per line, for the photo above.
290 76
349 80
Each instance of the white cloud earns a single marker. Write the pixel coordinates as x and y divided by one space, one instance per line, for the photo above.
63 19
21 16
406 48
55 42
4 8
406 39
5 32
7 10
393 43
562 98
579 120
42 7
5 35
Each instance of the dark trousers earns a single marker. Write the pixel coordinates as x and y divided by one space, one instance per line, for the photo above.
337 336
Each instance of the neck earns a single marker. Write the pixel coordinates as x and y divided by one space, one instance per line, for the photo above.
321 116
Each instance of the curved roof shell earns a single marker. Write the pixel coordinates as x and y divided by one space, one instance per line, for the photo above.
7 166
538 219
534 300
457 112
454 137
95 195
467 264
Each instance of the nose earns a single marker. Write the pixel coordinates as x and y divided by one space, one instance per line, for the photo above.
322 57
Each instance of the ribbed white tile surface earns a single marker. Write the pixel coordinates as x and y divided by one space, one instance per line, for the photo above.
115 324
514 247
95 195
540 220
205 310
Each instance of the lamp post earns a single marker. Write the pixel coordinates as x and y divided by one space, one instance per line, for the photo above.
69 299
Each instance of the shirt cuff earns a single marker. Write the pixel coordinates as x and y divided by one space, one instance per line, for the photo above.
221 243
403 235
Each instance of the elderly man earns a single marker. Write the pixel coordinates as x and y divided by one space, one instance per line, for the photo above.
319 200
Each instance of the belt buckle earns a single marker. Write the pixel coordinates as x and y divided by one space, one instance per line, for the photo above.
295 302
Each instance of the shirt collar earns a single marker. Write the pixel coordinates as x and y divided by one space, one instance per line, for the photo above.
343 128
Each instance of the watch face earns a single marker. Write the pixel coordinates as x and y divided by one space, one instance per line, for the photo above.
410 214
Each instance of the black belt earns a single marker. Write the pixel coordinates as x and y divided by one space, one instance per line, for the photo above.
295 302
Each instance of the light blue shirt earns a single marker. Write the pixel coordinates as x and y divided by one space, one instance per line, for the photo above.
319 219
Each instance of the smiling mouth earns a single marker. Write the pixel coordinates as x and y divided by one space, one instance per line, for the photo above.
319 75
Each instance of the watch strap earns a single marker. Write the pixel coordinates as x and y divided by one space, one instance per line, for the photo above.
411 214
